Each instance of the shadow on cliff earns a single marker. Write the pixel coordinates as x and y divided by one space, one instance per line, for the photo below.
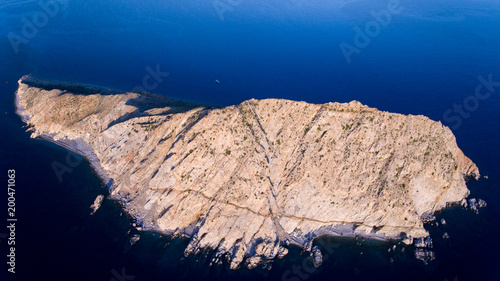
148 101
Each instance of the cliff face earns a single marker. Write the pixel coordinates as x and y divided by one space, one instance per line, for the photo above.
248 179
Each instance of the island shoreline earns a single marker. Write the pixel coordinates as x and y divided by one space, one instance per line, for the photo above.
82 148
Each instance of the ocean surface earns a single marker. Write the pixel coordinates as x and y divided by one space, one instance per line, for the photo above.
436 58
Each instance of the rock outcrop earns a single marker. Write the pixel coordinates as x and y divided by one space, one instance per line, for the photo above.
249 179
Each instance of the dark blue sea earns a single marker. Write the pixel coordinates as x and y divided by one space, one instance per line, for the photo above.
437 58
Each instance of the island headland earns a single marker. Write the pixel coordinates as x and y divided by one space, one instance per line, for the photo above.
248 180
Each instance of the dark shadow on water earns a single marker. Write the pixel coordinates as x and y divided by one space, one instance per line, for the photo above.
145 101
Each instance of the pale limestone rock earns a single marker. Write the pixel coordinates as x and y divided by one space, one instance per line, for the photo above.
249 179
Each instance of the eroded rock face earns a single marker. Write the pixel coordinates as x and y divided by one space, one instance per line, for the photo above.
249 179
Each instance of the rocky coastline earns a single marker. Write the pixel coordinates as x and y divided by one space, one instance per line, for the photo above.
250 179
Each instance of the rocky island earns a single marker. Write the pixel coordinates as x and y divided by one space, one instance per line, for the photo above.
248 180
